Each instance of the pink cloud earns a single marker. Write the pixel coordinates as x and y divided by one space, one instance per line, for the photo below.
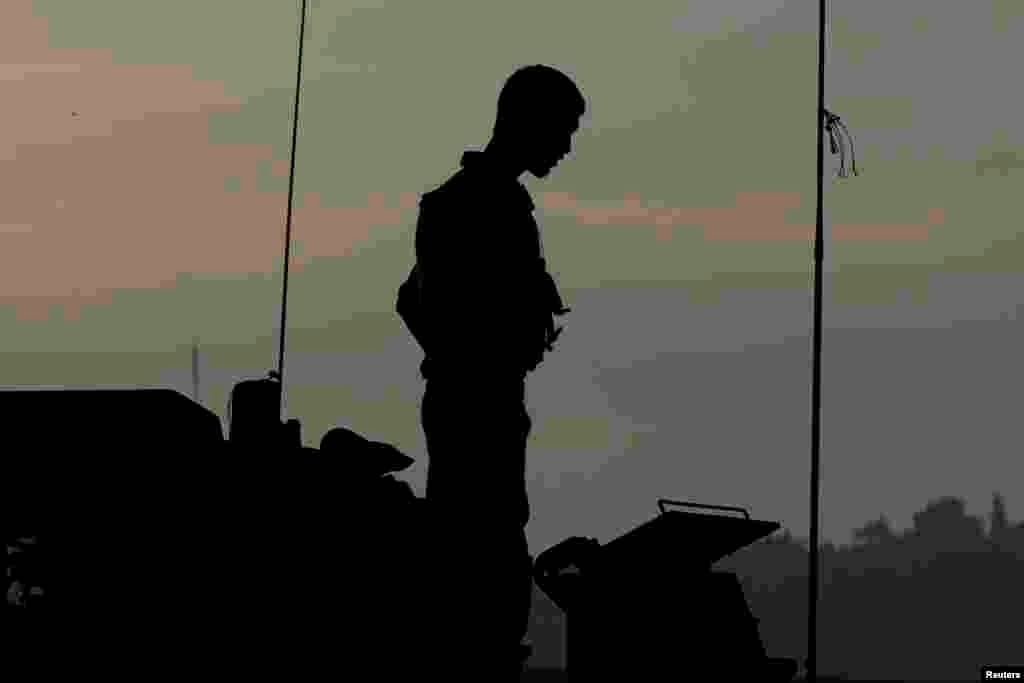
279 167
755 216
56 96
110 181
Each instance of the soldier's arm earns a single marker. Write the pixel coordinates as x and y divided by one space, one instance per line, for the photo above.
447 270
472 289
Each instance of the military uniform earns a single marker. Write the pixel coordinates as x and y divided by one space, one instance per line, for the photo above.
486 302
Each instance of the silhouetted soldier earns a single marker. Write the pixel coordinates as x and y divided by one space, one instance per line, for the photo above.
484 316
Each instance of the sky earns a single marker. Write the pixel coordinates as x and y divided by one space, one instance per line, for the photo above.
144 159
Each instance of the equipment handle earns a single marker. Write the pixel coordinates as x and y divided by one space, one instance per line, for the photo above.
663 502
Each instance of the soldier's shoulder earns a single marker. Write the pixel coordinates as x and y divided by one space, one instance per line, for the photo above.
458 187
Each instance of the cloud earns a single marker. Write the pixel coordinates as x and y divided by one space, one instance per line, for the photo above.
110 180
755 216
43 86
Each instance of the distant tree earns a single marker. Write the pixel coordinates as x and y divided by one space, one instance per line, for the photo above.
998 522
875 532
943 530
947 517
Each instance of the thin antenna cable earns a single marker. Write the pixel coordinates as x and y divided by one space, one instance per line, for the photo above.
830 122
288 222
811 664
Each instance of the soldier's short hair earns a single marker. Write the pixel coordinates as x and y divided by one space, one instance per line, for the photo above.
538 93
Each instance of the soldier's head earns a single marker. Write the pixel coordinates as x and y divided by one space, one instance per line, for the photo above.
539 110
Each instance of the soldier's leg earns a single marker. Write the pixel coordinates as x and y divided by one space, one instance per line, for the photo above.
477 498
482 598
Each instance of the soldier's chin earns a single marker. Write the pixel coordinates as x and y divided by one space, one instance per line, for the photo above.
541 169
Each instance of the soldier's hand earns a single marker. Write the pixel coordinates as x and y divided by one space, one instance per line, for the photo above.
552 335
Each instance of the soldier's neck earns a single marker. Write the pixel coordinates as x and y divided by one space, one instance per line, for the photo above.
505 159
